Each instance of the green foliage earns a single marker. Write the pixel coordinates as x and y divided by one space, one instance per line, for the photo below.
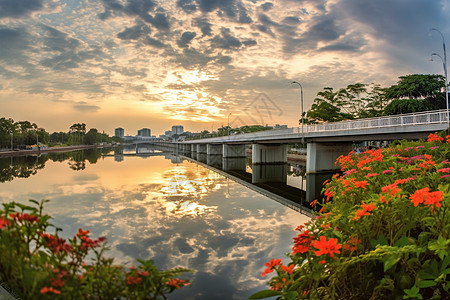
383 231
416 86
37 265
405 106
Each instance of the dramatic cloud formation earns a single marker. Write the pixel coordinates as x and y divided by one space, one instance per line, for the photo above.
195 61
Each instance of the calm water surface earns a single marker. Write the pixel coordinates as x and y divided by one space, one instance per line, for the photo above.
163 208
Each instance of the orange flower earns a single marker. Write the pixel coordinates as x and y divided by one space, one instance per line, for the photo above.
434 198
434 137
448 139
361 184
270 265
365 211
82 232
352 244
419 196
289 269
46 289
329 247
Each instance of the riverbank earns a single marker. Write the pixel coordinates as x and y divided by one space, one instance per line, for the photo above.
49 150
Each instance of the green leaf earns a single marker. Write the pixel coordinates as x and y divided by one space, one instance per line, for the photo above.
390 262
291 295
412 293
426 283
264 294
403 241
380 241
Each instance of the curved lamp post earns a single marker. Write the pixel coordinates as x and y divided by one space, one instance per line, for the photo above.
301 100
228 127
444 64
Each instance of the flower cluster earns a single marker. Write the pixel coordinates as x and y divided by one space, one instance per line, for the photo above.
383 231
40 265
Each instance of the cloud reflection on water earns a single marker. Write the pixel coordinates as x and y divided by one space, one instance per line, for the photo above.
179 215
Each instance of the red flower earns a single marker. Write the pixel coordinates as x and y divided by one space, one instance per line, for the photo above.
143 273
133 280
45 290
56 244
4 222
365 211
177 283
371 175
24 217
57 282
327 247
270 265
444 170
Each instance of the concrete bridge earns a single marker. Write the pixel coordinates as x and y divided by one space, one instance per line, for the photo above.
325 142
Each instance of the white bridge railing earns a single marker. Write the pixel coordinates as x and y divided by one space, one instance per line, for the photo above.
419 118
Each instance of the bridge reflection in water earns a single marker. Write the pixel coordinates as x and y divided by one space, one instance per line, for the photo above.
286 183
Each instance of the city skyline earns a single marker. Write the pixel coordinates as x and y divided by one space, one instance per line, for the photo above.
202 63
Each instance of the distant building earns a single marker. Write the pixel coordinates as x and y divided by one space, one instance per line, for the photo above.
278 126
144 132
119 132
168 133
177 129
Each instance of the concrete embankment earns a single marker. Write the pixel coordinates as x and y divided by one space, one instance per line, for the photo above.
49 150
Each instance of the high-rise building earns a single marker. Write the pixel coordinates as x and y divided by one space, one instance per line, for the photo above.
119 132
144 132
168 133
177 129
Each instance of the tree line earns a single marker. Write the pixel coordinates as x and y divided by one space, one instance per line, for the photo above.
19 134
412 93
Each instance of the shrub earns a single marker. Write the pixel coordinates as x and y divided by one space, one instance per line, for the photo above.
383 231
35 264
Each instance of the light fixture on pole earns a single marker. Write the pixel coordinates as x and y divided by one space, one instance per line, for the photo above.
11 140
228 127
301 101
444 64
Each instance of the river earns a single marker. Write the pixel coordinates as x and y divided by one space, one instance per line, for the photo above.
161 207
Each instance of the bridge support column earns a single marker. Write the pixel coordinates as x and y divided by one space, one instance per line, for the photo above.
234 164
193 148
230 150
201 153
321 157
269 163
214 155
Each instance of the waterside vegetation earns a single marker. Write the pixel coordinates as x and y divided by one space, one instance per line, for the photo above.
383 231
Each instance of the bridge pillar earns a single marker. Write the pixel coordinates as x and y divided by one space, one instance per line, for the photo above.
214 149
234 164
269 173
321 157
269 154
269 163
201 148
233 150
193 148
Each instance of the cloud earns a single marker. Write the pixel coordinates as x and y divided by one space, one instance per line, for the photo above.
19 9
14 41
134 33
225 40
188 6
266 6
86 107
186 38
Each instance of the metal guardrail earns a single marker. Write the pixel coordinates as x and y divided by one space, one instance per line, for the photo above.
413 119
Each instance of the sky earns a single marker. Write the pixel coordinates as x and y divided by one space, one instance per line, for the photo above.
202 63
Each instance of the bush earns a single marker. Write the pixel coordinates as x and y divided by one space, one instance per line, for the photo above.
383 231
35 264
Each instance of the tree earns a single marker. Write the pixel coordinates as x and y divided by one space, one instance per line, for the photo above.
327 108
414 93
376 102
350 99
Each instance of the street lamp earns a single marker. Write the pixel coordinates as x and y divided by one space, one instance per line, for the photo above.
444 64
11 140
228 128
301 99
